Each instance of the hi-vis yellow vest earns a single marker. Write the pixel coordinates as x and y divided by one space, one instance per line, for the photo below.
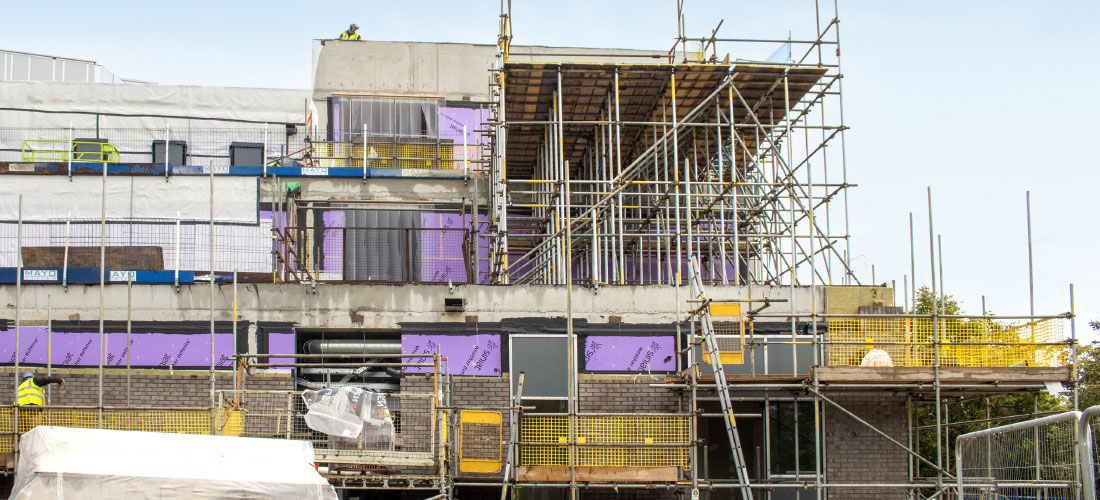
30 393
346 36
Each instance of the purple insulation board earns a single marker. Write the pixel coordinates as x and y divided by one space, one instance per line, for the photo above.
281 343
452 120
149 349
620 353
441 251
466 354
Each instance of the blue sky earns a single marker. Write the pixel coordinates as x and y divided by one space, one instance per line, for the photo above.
980 100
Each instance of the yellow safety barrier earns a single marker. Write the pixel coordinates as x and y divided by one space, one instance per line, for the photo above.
174 421
479 441
729 331
643 441
977 342
60 151
386 152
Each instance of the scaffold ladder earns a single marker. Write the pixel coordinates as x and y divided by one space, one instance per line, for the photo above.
710 342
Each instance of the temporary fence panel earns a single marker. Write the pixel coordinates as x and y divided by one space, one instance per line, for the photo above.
282 414
1032 459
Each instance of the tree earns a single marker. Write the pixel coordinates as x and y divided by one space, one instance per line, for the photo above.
1002 407
926 301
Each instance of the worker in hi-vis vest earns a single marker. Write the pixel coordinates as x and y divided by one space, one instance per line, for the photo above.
32 388
32 393
350 34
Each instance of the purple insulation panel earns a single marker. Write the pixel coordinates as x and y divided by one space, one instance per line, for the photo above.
149 349
620 353
466 354
281 343
441 253
451 121
332 241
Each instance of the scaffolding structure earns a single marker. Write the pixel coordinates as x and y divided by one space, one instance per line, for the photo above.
738 162
620 173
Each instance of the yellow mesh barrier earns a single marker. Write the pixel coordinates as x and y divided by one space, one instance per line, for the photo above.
387 152
667 437
976 342
174 421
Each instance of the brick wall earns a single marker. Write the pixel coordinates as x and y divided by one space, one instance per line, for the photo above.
624 394
148 388
471 392
856 454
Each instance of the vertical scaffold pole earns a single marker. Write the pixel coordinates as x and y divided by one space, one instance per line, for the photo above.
49 348
936 346
129 330
211 276
177 253
18 317
65 256
102 293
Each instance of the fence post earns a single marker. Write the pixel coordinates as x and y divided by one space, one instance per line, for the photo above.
1085 453
465 155
364 152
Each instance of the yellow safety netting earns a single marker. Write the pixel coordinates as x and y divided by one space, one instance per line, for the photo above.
388 153
976 342
667 437
175 421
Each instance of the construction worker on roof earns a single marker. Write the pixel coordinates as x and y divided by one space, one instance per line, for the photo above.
31 389
351 33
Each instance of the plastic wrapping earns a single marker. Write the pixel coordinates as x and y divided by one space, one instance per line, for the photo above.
355 417
59 462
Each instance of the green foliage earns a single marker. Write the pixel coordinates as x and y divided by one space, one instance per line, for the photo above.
944 305
1002 409
1088 378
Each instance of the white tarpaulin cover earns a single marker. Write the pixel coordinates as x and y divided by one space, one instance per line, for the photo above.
51 197
144 106
66 463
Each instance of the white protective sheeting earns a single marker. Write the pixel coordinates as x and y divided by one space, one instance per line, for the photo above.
143 101
52 197
78 464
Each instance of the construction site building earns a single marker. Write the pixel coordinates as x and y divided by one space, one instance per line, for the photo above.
540 254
